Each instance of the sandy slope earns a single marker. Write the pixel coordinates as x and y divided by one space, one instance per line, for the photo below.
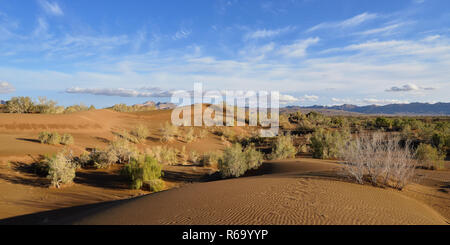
304 191
289 192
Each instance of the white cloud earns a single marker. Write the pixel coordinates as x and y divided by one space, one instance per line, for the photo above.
368 101
311 98
6 88
267 33
382 30
121 92
352 22
51 8
384 101
41 28
298 49
407 88
181 34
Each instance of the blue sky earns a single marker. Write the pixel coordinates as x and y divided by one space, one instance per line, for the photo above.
104 52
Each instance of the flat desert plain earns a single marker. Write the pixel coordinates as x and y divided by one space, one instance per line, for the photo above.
298 191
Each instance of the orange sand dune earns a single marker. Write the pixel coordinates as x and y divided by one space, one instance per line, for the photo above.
301 191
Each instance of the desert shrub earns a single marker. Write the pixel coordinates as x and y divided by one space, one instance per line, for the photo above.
103 159
67 139
142 169
283 148
168 132
304 126
133 108
189 136
49 138
77 108
183 155
253 158
210 159
140 132
164 154
46 106
382 123
233 162
43 137
380 160
61 169
20 105
194 157
202 133
326 144
54 139
429 156
154 185
123 150
236 161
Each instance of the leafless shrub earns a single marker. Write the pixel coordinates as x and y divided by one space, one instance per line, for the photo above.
380 160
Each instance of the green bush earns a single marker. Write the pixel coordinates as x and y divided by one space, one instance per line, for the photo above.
236 161
253 158
67 139
383 123
142 169
326 144
283 148
61 169
233 162
154 185
429 156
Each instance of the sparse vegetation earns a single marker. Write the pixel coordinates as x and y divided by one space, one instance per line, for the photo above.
210 159
133 108
189 136
168 132
140 132
67 139
164 154
194 157
53 138
43 106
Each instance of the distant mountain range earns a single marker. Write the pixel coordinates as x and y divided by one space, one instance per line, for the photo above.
2 102
392 109
159 105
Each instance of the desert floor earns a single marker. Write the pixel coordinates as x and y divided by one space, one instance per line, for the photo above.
299 191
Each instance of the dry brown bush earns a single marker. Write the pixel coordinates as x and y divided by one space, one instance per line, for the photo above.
380 160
